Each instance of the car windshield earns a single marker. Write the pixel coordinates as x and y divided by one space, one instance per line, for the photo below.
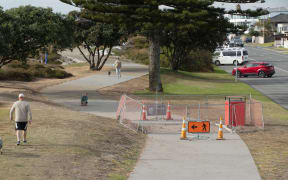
249 65
245 53
267 64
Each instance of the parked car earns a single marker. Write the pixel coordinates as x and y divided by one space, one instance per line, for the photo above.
260 69
248 40
238 43
230 56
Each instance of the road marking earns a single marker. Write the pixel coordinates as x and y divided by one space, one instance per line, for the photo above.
281 69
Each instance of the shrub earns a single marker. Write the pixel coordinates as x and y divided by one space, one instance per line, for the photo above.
16 74
27 72
17 64
198 61
60 74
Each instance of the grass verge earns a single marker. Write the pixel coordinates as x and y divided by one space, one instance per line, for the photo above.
270 44
65 144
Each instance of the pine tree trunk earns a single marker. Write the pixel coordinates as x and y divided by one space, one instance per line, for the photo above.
154 67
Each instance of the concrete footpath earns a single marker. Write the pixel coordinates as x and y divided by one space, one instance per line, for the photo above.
165 156
168 158
69 93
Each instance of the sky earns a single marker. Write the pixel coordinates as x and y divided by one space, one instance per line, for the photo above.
58 6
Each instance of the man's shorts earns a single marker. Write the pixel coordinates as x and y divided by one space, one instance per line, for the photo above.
21 126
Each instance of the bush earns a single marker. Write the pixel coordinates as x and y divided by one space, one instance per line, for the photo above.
138 42
17 64
59 74
198 61
28 72
17 74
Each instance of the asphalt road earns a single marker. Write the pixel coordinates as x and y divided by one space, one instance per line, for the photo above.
275 87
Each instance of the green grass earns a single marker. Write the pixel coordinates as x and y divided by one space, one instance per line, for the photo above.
263 45
204 83
217 84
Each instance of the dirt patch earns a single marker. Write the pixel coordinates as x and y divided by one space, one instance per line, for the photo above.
128 87
64 144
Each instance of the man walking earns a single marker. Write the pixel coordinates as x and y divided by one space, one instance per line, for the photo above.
23 115
118 66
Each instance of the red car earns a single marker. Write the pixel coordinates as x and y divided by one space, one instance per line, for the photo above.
260 69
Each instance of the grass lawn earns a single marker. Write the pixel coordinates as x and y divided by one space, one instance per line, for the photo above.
262 45
269 148
64 144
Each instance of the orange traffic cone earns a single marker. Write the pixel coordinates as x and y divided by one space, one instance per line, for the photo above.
220 132
183 131
144 113
168 114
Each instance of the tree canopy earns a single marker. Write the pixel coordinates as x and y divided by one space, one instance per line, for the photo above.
148 17
97 38
26 30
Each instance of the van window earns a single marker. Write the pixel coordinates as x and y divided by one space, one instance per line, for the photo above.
238 53
245 53
231 53
216 53
225 53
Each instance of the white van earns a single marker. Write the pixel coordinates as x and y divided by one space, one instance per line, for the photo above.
230 56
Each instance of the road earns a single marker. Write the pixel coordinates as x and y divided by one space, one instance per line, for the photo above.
275 87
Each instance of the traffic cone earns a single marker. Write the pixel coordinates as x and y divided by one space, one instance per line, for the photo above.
183 131
168 114
144 113
220 132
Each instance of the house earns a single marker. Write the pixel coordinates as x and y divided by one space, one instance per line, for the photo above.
280 23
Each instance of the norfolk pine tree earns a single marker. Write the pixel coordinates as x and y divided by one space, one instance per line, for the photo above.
146 16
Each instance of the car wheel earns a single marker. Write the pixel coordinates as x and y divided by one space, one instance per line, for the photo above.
217 63
262 74
269 76
234 62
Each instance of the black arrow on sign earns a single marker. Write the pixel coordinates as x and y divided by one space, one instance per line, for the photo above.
194 127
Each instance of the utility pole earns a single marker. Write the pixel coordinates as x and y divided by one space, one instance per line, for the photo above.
263 31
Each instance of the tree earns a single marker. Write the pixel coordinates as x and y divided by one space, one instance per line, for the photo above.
34 29
8 39
148 17
178 42
97 38
266 27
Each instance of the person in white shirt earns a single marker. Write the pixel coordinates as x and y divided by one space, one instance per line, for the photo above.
118 65
23 115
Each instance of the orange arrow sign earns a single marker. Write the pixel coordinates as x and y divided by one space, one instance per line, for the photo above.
198 127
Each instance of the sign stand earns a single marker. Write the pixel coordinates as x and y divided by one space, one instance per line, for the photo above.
197 127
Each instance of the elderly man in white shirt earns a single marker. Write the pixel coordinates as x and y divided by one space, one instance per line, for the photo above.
23 115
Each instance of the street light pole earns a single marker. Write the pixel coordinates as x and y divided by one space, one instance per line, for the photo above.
263 31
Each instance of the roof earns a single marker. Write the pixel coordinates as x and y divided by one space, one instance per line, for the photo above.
281 18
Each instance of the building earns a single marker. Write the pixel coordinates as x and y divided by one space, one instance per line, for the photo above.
251 21
280 23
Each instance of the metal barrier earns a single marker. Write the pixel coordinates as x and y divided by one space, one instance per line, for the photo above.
196 108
